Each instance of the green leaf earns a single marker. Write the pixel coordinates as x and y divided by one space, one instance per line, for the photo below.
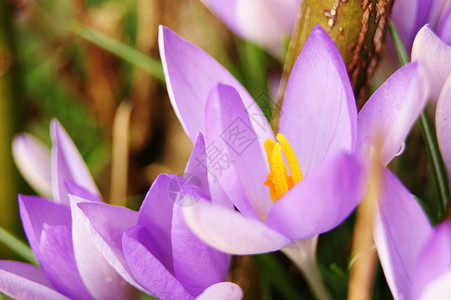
17 246
123 51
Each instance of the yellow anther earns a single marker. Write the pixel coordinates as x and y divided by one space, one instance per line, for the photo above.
278 180
292 161
269 146
278 171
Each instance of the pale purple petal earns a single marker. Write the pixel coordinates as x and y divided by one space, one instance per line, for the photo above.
321 201
196 170
434 54
438 10
400 229
439 289
443 124
196 265
190 76
266 22
391 112
147 269
67 165
74 189
231 232
32 158
235 152
37 211
48 229
58 261
444 28
197 173
97 273
319 114
226 11
155 215
24 281
222 291
409 16
107 234
433 262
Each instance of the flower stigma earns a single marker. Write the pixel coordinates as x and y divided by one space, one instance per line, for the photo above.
278 180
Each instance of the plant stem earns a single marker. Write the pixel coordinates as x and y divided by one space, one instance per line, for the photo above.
303 254
435 159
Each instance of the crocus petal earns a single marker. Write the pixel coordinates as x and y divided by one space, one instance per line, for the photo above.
190 76
97 273
37 211
155 214
222 291
58 262
443 124
231 232
196 170
76 190
225 10
24 281
32 158
107 235
391 111
437 13
196 265
235 152
319 114
400 229
439 289
320 201
198 174
444 28
48 229
434 54
147 269
266 22
409 16
433 266
67 165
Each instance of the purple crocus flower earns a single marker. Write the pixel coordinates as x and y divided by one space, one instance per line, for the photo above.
264 22
84 255
317 136
153 249
415 257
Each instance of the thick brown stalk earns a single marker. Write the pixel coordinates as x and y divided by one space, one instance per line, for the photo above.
358 28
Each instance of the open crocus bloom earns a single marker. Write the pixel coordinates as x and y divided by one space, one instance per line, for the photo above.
317 136
415 257
264 22
84 255
153 249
